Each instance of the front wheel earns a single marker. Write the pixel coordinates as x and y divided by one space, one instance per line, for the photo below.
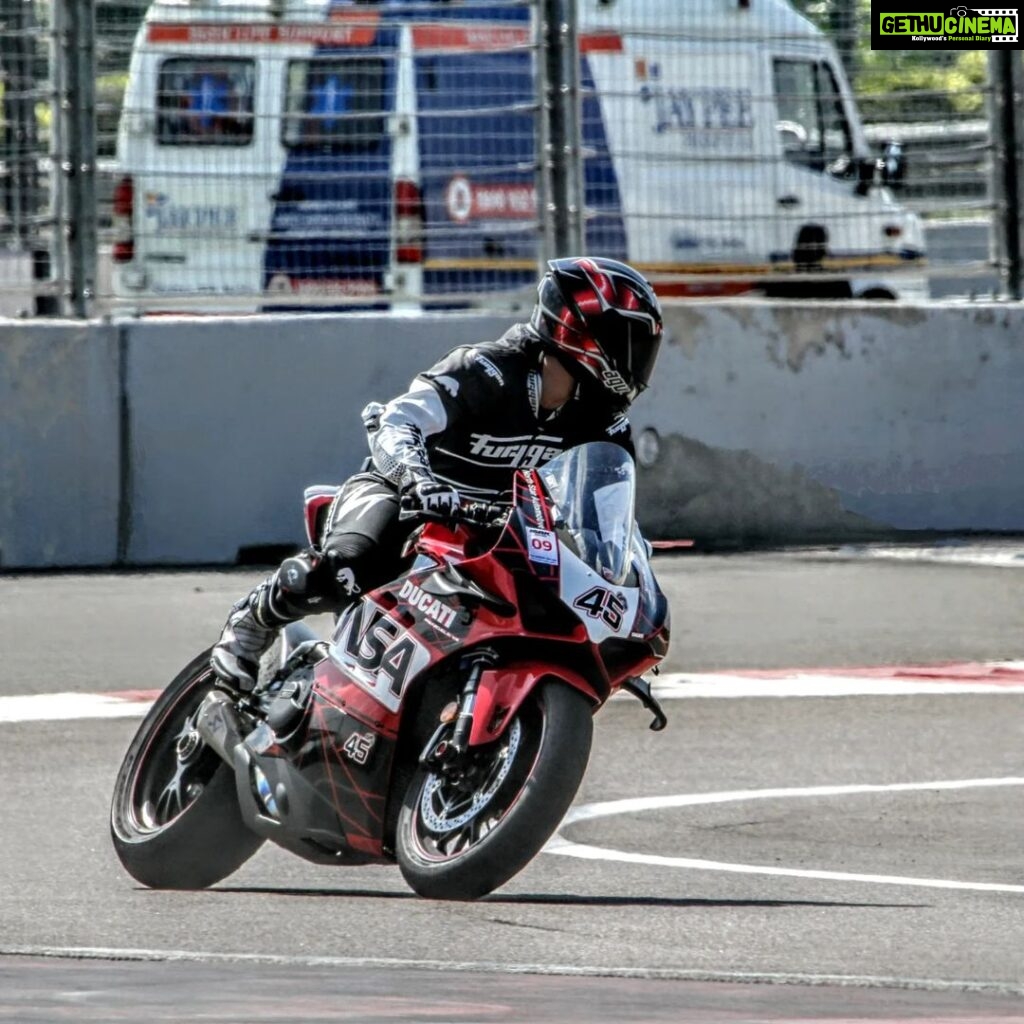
461 834
175 820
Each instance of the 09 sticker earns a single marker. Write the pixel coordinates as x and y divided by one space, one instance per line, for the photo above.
542 546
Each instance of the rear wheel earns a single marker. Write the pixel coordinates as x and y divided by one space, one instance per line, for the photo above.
174 819
462 833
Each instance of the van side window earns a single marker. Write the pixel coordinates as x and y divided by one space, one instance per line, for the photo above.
205 102
837 141
811 119
335 103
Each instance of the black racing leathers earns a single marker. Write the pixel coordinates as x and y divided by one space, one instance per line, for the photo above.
474 418
469 421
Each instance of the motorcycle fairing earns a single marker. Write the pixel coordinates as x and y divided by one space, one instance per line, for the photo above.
606 610
385 643
377 651
317 501
532 530
502 690
324 800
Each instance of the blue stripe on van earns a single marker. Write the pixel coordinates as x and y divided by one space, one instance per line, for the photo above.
332 218
444 10
331 223
470 139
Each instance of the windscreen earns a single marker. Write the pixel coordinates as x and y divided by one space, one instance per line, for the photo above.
594 491
205 102
335 103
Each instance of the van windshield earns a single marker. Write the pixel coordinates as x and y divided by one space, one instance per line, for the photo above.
335 103
812 122
205 101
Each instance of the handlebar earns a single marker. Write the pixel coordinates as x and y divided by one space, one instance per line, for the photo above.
473 513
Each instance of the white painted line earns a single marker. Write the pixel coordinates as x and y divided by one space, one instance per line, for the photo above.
57 707
569 849
586 812
995 677
722 686
634 805
496 967
989 556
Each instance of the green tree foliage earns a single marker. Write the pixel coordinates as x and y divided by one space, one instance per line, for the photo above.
901 85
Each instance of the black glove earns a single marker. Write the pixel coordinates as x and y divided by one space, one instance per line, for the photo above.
430 495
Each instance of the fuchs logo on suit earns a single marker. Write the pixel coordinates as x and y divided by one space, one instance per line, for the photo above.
489 368
619 426
513 451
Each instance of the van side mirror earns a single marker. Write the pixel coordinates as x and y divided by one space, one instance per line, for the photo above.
894 164
868 168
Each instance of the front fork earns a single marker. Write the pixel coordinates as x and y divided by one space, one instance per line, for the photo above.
443 749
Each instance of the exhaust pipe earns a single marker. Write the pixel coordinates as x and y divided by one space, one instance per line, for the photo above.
219 724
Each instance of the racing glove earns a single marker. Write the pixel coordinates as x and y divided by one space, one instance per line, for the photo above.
430 495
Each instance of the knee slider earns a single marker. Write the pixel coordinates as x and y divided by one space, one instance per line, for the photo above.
297 573
301 584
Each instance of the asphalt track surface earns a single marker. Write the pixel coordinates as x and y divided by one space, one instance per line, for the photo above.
829 858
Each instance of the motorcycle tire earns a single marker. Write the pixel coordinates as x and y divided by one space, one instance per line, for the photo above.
457 845
174 819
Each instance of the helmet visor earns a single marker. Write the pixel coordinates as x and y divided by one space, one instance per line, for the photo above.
630 342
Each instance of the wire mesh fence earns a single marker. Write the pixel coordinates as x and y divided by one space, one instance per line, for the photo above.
285 154
351 155
935 103
27 154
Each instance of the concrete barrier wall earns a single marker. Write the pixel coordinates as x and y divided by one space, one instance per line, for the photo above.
803 422
59 444
231 419
768 423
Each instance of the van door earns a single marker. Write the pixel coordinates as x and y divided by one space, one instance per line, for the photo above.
825 217
199 181
476 131
330 231
673 130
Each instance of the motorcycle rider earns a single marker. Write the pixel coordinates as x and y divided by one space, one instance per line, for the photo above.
462 429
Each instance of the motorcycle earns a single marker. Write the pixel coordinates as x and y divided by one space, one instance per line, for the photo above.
447 722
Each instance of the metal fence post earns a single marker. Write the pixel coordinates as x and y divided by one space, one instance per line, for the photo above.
561 109
1005 115
77 105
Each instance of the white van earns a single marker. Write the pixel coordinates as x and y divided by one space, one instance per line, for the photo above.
286 152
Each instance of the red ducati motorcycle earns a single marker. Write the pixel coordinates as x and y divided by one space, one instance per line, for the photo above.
447 722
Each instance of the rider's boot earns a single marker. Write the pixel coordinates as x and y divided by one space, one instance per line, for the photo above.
307 583
250 630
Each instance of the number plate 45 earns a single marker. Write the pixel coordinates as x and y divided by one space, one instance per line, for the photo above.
602 603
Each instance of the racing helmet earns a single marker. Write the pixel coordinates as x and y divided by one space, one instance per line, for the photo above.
602 321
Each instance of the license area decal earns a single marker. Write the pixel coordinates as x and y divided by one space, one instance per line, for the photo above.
542 546
377 654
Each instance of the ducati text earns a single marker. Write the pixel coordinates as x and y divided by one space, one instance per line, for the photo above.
431 606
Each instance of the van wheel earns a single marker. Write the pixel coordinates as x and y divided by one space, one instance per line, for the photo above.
877 295
811 246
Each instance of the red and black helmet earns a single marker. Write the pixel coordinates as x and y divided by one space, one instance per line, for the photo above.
602 321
